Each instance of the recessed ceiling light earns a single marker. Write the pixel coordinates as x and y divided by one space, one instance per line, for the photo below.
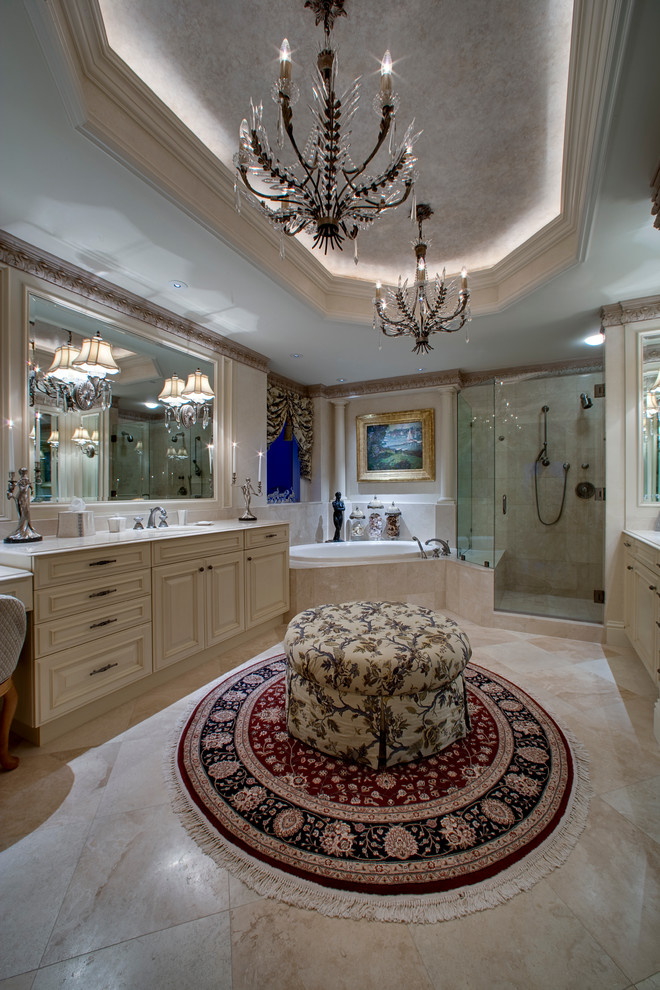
297 356
341 379
151 405
176 284
595 339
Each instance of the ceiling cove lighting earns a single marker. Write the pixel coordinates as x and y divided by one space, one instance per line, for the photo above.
76 379
425 307
323 191
187 404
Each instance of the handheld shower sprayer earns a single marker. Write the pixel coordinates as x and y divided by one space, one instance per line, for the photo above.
543 453
585 400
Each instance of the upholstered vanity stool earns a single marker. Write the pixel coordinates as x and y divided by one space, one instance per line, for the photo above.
376 682
12 636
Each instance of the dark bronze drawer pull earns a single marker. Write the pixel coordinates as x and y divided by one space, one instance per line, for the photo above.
270 536
100 563
629 567
106 622
102 670
627 544
100 594
652 587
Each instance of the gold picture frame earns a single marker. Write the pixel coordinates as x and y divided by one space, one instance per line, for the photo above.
396 446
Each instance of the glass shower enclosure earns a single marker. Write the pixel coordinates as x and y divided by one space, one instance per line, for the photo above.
531 477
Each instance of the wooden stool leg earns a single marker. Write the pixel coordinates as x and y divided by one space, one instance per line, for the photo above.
9 702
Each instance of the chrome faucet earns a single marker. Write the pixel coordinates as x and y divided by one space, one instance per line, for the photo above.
152 517
446 551
421 548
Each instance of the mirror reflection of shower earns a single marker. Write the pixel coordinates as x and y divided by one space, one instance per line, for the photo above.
544 460
585 400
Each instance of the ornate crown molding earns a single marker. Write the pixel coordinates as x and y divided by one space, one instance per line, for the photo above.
17 254
630 311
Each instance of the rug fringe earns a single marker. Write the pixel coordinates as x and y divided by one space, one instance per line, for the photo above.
429 908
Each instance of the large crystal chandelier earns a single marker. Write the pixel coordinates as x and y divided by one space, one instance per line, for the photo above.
425 307
323 190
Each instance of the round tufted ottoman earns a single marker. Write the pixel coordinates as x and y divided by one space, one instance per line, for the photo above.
376 682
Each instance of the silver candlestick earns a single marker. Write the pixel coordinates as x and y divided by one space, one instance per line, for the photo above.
248 492
21 492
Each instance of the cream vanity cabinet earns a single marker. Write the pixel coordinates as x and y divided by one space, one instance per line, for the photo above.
91 630
642 601
198 594
266 574
209 589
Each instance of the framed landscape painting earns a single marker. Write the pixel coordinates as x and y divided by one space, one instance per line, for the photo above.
396 446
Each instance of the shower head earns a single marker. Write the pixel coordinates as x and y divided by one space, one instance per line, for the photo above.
585 401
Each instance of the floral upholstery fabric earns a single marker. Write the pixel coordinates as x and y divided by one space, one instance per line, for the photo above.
376 682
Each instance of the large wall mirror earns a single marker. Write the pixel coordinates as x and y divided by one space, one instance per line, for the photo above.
110 439
649 344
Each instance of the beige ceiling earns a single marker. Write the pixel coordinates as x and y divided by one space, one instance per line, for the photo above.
486 82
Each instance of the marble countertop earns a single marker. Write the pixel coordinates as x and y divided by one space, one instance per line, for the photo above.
21 555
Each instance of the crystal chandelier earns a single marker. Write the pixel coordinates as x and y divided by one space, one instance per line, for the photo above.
323 190
77 379
425 307
188 402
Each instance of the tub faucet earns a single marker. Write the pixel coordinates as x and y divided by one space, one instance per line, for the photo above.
421 548
152 517
446 551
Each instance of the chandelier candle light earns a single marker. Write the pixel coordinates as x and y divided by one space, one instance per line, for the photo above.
423 308
323 190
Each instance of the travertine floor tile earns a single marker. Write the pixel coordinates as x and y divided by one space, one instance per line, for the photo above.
533 940
276 947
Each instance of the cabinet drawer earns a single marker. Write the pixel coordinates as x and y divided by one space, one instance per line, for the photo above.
20 587
191 547
63 600
89 626
266 535
72 678
644 554
66 566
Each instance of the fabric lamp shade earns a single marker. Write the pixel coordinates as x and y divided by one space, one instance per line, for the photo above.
198 388
171 393
81 436
95 358
62 367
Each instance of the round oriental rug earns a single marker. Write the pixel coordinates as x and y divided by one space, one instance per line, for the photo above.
423 841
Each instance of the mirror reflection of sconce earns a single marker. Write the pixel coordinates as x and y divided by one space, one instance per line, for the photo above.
177 453
186 404
54 438
76 379
86 443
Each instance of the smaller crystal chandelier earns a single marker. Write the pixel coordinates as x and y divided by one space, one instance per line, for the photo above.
77 379
425 307
186 404
323 191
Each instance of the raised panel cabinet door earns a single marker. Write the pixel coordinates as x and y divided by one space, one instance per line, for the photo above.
628 594
178 611
225 613
266 583
645 616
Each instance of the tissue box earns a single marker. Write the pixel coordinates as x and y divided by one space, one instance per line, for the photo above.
75 523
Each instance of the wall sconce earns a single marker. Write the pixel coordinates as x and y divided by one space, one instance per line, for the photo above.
186 404
77 379
86 443
54 439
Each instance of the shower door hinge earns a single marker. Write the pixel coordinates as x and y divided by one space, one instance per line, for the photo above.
599 495
599 391
599 596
